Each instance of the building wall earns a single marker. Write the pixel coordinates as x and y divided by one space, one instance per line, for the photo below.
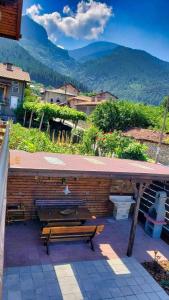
5 106
70 89
85 108
104 96
55 96
94 191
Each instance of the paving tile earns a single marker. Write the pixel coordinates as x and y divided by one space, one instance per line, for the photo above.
142 296
14 295
90 280
48 267
152 296
126 291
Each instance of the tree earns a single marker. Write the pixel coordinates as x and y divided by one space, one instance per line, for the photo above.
106 116
121 115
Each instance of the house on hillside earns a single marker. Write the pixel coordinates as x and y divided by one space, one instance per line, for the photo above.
74 101
57 96
84 103
13 81
151 139
105 96
70 88
88 104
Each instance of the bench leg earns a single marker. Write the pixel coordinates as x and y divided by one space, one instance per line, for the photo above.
92 245
47 248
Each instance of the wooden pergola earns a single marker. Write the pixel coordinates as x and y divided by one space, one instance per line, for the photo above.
10 18
140 174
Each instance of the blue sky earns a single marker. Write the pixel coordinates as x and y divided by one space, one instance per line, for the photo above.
140 24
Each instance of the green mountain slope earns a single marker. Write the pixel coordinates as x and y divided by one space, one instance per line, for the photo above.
130 74
92 51
11 51
35 41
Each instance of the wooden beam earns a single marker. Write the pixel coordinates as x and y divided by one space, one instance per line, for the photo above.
139 188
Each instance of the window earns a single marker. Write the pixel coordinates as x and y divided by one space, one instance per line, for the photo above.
1 94
51 100
15 87
57 100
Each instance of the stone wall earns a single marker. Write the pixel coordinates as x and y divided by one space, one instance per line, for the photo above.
164 152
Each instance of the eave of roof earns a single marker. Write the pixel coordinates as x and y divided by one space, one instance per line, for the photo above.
59 165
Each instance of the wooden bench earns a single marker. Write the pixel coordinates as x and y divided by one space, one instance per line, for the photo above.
74 233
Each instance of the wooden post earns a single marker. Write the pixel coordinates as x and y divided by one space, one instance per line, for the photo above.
30 120
53 136
48 128
24 118
139 190
41 121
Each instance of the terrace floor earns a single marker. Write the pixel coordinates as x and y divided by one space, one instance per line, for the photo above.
23 246
73 272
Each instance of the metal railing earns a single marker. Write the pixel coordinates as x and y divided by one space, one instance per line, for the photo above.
4 159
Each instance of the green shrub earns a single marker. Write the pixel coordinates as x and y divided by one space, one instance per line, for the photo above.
122 115
134 150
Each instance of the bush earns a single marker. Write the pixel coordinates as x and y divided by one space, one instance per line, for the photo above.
122 115
89 141
33 140
135 151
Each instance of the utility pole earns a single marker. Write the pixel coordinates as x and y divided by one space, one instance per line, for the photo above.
162 129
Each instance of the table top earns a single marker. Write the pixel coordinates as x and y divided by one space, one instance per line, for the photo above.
54 215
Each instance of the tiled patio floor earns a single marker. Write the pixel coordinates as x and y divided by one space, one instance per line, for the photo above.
23 246
120 279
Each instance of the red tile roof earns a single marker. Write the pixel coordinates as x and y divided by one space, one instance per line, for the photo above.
146 135
77 165
16 73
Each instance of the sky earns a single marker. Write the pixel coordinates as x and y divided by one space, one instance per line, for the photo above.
139 24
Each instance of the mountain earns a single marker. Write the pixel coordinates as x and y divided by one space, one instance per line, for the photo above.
36 42
92 51
128 73
11 51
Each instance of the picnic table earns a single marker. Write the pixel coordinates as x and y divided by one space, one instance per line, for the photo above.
48 215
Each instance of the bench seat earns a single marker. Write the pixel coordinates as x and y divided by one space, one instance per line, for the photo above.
70 233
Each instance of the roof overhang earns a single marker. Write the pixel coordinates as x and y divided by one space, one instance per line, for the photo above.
61 165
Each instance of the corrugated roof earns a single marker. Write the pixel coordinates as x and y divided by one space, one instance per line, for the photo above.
74 165
16 73
146 135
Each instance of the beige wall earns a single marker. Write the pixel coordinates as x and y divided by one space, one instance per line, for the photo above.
72 90
55 96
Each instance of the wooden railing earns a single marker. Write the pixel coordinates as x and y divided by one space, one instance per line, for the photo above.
4 155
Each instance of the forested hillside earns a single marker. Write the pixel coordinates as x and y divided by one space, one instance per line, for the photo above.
11 51
129 74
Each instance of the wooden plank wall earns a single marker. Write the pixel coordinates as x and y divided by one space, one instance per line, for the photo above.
95 191
10 19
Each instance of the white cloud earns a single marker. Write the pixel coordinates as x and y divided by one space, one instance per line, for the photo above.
34 10
67 10
88 22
